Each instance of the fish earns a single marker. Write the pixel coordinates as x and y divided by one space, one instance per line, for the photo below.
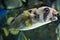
42 13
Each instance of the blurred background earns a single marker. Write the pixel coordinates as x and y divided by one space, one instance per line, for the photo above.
50 31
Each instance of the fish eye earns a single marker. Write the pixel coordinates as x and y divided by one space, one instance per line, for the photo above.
47 10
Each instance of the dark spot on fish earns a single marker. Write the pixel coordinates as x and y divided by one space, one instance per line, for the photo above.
30 11
45 16
50 18
54 14
37 16
35 13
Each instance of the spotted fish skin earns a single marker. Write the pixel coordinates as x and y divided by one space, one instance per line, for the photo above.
46 15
